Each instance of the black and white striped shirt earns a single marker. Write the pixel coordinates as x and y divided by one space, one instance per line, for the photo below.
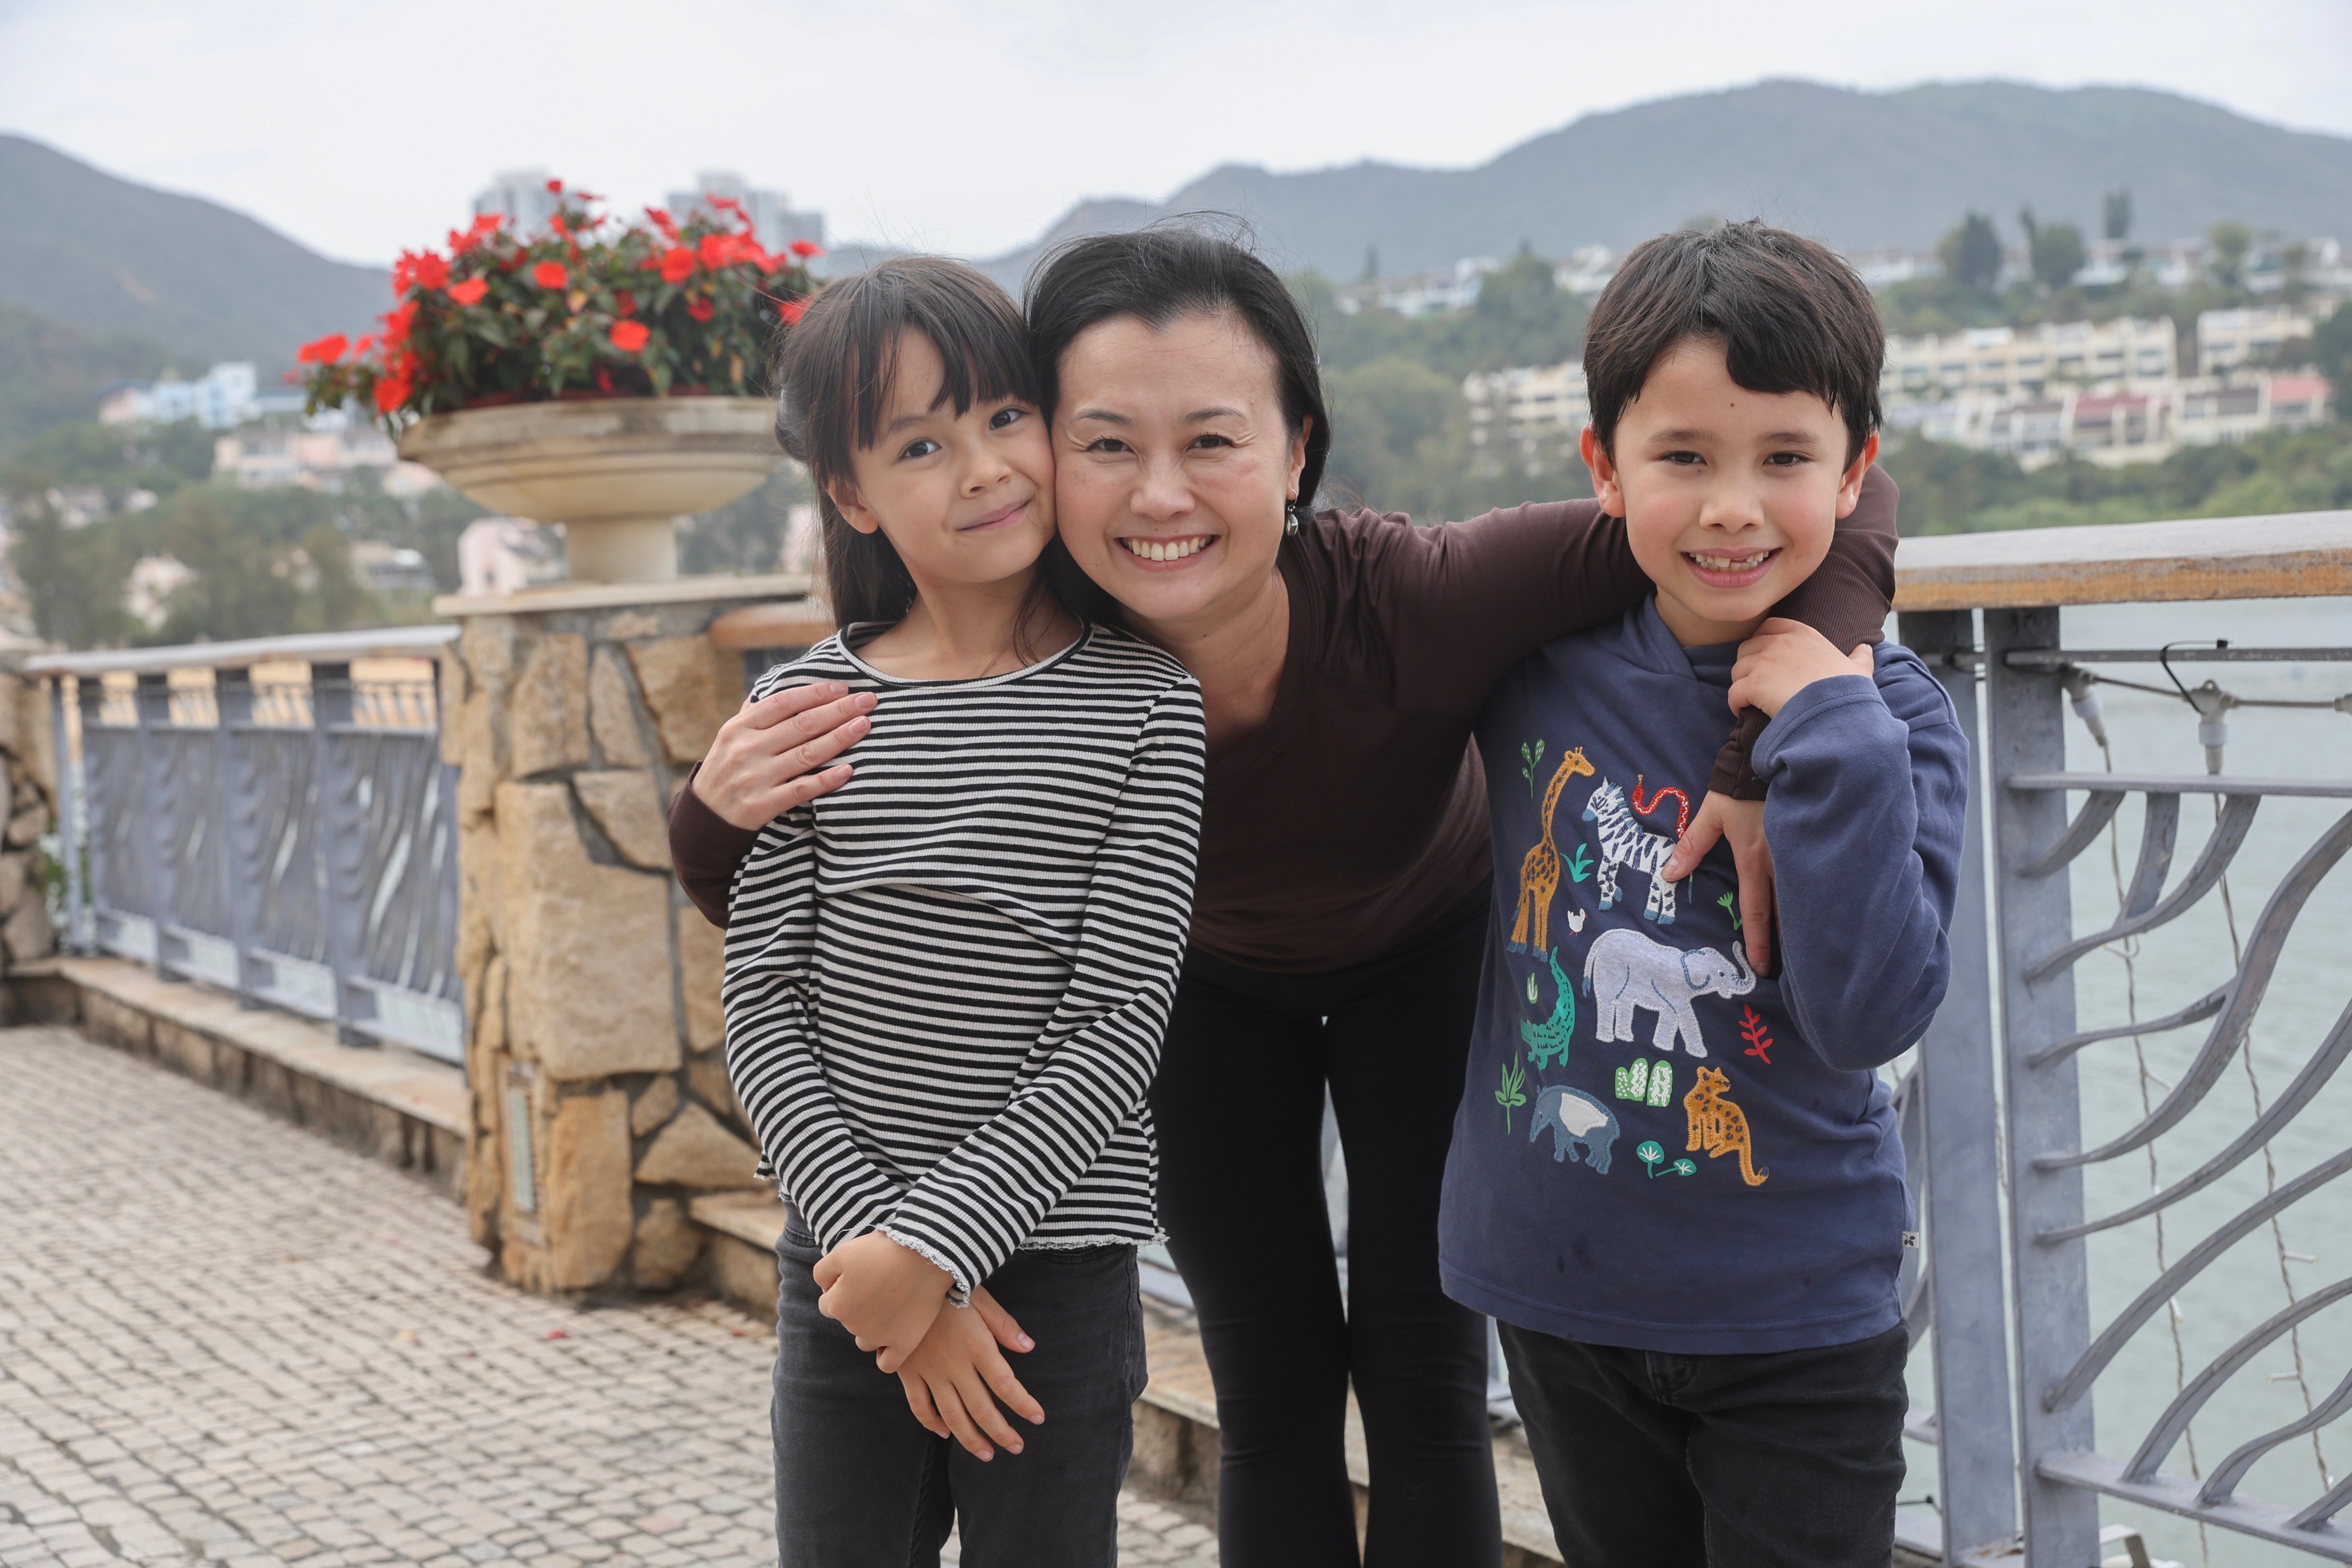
947 981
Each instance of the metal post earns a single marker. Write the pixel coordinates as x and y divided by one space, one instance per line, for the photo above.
232 712
341 896
1974 1451
69 812
152 703
2025 714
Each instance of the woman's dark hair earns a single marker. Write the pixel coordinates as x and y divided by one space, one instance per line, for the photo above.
1160 274
834 375
1790 316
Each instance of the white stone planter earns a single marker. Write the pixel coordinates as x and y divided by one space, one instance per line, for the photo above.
616 472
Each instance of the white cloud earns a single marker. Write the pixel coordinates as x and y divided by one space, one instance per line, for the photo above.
360 128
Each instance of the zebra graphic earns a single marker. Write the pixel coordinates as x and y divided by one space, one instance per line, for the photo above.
1624 842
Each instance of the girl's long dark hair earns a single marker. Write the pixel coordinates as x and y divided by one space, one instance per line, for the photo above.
834 375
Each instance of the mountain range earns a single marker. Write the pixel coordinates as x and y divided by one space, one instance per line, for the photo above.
1863 170
102 273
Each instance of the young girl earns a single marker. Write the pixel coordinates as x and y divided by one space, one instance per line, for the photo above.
947 980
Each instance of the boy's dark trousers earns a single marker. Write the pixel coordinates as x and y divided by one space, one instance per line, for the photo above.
1783 1460
860 1485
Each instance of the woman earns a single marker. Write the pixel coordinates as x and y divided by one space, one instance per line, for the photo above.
1339 905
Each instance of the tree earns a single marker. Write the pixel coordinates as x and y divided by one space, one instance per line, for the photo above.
2054 250
1972 254
2116 215
2331 349
72 577
2230 241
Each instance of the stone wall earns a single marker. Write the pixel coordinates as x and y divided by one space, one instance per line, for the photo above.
601 1103
28 759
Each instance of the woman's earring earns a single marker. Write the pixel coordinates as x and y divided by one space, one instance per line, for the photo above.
1290 517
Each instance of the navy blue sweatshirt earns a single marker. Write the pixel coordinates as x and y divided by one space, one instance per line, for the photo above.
1658 1148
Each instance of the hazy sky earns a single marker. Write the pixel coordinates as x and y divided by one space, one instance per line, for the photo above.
360 128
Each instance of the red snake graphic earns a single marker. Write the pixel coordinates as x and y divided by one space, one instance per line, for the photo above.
1657 798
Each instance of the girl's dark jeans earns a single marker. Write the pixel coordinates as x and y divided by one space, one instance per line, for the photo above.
860 1485
1239 1104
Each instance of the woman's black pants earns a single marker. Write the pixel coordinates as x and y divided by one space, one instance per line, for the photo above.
1239 1104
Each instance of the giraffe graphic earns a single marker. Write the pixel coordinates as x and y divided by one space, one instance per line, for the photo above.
1539 872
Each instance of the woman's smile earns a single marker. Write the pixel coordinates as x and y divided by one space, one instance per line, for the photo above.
1167 551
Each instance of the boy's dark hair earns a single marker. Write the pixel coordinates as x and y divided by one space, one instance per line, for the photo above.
1165 272
834 372
1790 316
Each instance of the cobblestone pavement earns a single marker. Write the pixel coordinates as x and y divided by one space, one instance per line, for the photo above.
223 1338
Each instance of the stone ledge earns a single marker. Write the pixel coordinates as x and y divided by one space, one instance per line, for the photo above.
1176 1439
402 1108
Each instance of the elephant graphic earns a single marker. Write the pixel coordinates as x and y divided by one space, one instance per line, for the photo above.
1575 1118
1624 970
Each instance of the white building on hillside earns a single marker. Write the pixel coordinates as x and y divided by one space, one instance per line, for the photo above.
225 397
1531 405
2005 362
2228 339
2113 425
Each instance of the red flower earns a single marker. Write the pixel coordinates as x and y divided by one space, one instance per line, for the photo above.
555 186
625 302
629 336
463 240
550 275
676 264
719 250
323 350
470 291
555 221
664 222
700 308
806 249
396 324
391 393
792 310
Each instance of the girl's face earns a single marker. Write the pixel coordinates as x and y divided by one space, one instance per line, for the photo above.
1174 464
965 499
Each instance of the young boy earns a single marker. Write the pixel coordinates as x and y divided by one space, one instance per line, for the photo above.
1675 1182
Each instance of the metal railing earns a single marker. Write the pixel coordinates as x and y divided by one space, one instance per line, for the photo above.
292 838
2020 1173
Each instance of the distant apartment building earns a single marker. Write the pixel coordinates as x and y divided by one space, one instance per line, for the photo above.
2003 362
506 556
1532 407
2228 339
1421 293
2113 425
521 197
273 456
775 222
226 396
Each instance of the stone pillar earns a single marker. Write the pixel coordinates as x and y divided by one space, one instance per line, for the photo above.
29 767
601 1103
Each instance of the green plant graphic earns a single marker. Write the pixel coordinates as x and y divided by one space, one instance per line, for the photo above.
1532 752
1533 996
1579 865
1649 1154
1508 1097
1730 902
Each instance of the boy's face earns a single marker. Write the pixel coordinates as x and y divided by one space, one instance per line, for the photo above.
965 498
1730 496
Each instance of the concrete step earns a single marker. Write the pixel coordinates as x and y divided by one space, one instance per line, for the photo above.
1176 1442
399 1107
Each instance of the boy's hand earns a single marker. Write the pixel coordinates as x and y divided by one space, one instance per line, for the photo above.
1742 822
1785 657
772 755
954 1372
885 1294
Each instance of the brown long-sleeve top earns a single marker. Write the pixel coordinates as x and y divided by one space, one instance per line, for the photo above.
1357 812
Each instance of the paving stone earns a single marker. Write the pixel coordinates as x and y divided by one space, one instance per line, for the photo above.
260 1349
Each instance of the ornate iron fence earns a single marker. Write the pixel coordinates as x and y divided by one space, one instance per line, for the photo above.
2010 1296
293 840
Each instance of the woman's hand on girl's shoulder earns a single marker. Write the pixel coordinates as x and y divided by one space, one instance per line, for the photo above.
774 754
957 1375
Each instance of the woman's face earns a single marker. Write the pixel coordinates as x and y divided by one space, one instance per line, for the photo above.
1173 465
